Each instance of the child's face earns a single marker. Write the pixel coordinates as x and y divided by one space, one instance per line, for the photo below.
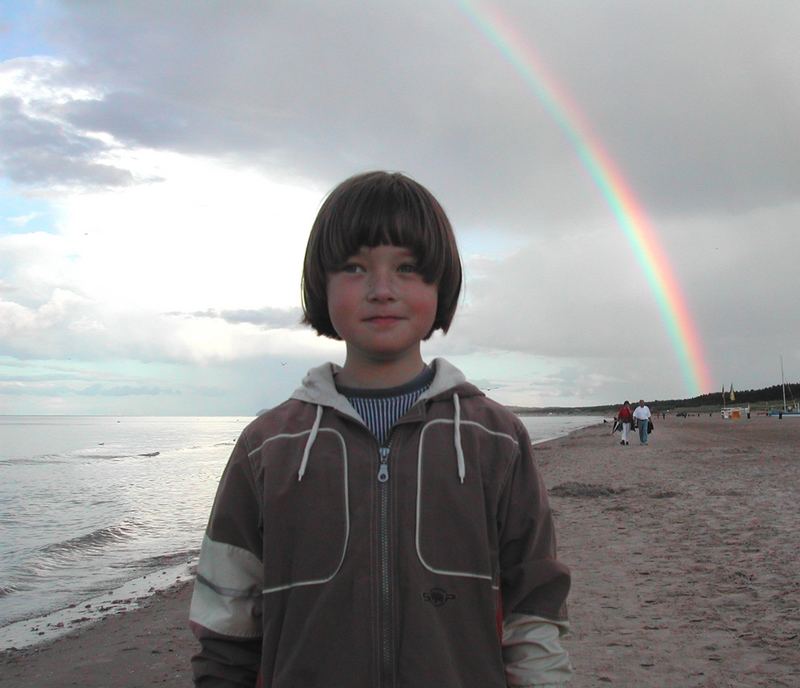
380 305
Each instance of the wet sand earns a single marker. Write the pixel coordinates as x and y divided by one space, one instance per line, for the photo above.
684 556
149 646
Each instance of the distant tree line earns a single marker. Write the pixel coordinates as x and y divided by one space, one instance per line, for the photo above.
745 396
772 395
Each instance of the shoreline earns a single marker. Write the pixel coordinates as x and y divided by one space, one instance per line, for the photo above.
146 646
125 597
683 555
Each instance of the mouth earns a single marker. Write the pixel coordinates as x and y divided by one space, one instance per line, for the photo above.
383 319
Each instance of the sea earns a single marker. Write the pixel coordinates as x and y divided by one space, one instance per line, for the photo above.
99 512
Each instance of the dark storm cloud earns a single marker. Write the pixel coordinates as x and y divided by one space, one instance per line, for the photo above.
42 152
320 91
696 102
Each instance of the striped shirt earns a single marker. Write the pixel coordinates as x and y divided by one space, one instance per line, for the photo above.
380 409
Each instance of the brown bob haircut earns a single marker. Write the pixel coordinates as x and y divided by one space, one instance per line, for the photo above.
378 209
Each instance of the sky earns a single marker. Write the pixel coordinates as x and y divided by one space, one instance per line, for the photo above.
623 179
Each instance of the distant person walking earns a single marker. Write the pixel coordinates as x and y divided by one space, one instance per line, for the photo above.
642 416
625 418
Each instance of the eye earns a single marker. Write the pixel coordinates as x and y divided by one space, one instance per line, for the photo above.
352 268
409 267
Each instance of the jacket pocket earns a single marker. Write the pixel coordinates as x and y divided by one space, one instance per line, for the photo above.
456 522
306 522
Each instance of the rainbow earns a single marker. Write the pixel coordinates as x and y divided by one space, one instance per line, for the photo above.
617 192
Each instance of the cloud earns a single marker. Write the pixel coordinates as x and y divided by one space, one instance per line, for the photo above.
23 220
41 153
703 105
126 391
697 122
591 293
269 318
315 90
69 326
725 265
29 388
39 148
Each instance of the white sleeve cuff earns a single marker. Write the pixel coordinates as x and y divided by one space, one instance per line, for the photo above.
532 653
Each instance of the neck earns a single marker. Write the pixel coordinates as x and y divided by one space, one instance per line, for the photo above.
378 374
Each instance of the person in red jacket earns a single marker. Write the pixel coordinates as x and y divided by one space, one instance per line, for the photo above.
625 418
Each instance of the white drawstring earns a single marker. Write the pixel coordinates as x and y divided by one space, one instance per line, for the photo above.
312 436
462 470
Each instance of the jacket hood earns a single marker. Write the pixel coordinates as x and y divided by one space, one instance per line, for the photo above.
318 388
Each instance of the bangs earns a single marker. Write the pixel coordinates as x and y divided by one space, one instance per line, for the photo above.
384 216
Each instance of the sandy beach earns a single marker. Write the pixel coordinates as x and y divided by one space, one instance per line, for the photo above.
684 556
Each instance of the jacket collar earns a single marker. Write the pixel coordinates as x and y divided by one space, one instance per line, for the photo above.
318 386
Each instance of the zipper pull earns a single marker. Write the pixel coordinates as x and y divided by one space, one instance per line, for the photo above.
383 469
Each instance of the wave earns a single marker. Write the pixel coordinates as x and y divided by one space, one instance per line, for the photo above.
92 455
6 590
43 459
94 541
49 459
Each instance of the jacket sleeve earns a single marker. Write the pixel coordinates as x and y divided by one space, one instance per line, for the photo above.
225 614
534 584
532 652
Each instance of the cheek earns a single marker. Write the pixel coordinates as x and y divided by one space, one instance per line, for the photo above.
341 301
425 302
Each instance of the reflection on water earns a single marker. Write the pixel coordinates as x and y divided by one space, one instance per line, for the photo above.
542 428
87 503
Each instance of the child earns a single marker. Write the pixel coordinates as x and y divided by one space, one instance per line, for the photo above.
386 526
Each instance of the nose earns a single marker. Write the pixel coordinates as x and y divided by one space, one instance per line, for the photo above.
381 286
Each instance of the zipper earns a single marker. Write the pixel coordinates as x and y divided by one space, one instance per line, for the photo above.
387 678
383 467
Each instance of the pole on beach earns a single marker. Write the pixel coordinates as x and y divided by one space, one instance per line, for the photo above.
783 386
